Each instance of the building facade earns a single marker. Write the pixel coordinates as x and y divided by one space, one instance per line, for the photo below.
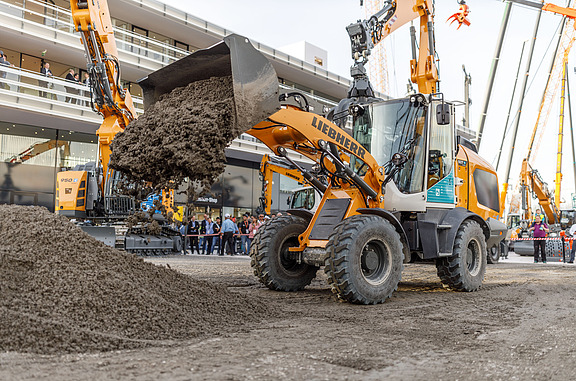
47 124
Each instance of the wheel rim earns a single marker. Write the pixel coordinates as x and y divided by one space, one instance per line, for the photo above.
473 257
287 258
376 262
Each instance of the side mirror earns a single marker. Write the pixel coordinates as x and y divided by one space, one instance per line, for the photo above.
443 114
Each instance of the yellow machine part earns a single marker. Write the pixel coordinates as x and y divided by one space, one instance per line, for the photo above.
71 190
467 161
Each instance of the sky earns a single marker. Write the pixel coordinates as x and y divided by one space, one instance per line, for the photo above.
323 23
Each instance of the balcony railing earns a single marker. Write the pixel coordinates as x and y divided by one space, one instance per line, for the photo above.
26 89
59 18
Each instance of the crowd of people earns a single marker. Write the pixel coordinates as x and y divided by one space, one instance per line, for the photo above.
207 236
72 77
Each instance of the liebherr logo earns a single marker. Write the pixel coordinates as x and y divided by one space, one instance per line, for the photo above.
340 139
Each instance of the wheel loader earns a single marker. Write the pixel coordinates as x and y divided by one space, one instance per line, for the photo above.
401 187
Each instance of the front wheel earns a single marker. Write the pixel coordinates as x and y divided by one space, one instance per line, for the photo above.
274 265
465 269
364 259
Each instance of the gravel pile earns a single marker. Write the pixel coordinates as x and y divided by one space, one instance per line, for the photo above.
63 291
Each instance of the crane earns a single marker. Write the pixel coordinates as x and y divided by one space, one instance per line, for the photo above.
555 78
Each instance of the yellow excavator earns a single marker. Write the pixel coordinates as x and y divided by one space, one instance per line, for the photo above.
90 191
401 187
270 165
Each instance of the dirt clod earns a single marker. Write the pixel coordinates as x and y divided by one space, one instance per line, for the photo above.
182 135
63 291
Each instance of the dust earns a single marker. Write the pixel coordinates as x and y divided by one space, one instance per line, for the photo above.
183 135
63 291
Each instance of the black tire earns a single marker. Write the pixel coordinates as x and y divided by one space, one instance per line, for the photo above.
465 269
365 260
273 264
493 254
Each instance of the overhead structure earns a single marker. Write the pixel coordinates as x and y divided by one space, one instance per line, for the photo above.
378 67
493 69
555 78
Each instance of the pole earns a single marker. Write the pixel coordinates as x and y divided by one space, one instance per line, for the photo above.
560 33
571 127
493 69
558 183
519 112
467 83
511 103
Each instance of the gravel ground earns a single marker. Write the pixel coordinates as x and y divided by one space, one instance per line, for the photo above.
519 326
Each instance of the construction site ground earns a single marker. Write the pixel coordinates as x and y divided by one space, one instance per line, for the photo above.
520 325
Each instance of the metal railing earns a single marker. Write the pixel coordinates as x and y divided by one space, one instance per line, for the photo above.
59 18
21 86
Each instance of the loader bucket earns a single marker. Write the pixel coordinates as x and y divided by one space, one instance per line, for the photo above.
254 80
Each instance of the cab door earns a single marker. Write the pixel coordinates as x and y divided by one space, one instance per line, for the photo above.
440 179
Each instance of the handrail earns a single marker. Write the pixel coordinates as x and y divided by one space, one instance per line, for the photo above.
168 54
54 86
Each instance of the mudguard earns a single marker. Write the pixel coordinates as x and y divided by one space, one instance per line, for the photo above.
387 215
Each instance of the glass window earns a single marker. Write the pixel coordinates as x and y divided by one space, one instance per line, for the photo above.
486 185
397 126
139 44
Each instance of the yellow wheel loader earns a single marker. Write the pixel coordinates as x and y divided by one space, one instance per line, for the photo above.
402 187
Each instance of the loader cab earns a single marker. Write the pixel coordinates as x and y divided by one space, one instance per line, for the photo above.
421 128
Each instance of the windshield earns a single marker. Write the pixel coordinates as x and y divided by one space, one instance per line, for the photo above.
395 126
303 198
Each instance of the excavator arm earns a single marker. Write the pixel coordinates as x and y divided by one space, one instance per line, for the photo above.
532 182
92 20
39 148
268 167
366 34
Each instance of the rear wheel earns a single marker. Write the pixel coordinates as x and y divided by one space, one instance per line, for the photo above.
465 269
365 260
493 255
274 265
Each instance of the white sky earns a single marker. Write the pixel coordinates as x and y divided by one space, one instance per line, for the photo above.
323 23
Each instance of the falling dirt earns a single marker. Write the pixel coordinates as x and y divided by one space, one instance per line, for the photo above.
62 291
183 135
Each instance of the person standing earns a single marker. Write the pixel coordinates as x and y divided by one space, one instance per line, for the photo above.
70 90
254 225
86 93
46 72
209 239
182 230
202 231
217 239
540 229
229 228
4 62
193 233
572 232
244 228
